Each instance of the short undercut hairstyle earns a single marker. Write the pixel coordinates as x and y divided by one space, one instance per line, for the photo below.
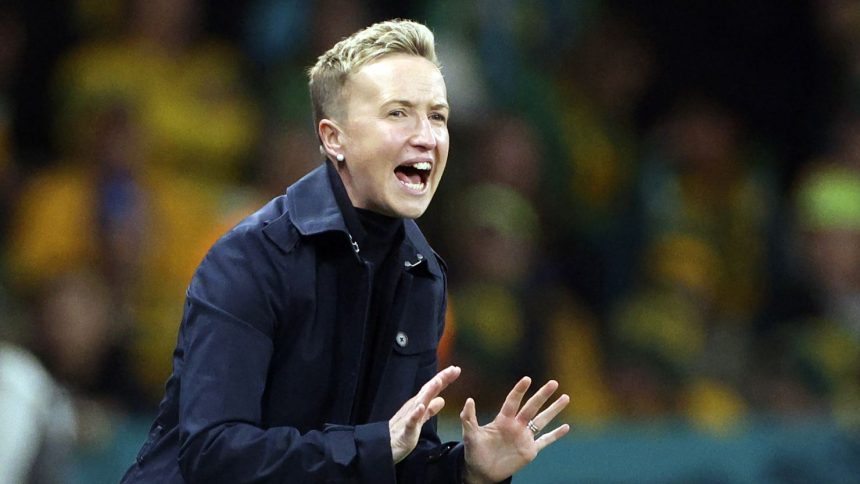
330 73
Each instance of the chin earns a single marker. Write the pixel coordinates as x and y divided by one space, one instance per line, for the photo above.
411 210
410 213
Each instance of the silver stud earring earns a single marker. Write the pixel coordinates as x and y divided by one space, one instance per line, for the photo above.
339 157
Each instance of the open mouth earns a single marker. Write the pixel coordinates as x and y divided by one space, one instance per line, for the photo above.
414 175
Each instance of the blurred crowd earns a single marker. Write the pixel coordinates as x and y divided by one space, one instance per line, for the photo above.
661 245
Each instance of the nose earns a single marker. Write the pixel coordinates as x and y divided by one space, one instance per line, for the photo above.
424 137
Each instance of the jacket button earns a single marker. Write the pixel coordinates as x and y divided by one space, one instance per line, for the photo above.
401 339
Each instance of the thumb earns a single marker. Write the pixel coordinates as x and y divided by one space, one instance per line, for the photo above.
467 417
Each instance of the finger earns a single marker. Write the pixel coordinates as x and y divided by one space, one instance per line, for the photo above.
435 385
544 418
415 417
468 418
550 437
534 404
435 406
512 402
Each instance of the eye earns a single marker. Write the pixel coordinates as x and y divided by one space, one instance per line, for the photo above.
397 113
438 117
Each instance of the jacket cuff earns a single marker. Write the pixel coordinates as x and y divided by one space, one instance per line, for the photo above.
375 461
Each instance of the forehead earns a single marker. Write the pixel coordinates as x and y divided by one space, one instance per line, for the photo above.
397 76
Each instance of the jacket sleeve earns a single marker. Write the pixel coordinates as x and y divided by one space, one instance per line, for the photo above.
227 340
432 462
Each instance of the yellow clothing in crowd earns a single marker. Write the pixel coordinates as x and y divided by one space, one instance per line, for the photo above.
56 230
191 106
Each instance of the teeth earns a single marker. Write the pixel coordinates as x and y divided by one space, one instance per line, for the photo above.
424 165
413 186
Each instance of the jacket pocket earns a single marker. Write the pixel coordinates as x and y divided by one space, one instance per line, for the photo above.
408 343
418 322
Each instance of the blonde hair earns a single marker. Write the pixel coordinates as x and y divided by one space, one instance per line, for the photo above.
329 74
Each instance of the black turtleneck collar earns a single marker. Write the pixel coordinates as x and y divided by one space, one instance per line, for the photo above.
375 233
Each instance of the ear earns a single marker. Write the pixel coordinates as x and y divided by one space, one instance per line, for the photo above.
331 137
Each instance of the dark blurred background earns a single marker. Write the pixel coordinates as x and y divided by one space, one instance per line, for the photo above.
656 203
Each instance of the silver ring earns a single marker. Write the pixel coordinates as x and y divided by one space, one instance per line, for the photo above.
534 428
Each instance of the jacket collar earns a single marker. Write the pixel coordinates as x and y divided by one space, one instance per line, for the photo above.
313 210
312 205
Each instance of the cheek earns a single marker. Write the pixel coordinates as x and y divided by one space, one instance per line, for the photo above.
442 139
443 152
385 149
442 145
437 175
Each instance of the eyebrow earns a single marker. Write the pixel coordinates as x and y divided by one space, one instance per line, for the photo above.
404 102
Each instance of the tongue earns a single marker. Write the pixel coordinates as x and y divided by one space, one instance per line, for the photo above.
407 175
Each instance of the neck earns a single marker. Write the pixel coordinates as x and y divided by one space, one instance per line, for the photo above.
366 226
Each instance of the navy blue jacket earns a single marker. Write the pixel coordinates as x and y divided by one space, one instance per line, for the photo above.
266 365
